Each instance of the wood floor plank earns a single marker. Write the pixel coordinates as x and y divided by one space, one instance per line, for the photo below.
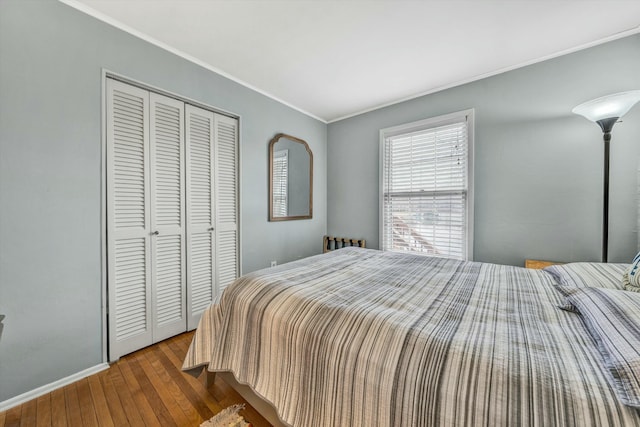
100 402
178 394
58 411
116 410
87 410
43 410
146 388
173 345
183 344
198 396
28 415
151 393
74 417
176 413
13 417
143 403
131 402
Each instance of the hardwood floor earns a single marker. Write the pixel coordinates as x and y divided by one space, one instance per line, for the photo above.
145 388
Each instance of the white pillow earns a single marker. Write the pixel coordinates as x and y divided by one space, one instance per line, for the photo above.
611 317
631 277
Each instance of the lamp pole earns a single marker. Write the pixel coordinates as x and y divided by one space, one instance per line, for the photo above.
606 125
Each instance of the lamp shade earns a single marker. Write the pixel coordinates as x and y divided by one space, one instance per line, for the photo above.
607 107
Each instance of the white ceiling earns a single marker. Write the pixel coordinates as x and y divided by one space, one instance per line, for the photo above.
334 59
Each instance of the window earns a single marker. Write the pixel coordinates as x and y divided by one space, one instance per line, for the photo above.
280 182
426 198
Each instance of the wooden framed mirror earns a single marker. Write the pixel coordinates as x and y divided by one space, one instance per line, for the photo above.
290 179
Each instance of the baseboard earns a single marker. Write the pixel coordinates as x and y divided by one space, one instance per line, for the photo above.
48 388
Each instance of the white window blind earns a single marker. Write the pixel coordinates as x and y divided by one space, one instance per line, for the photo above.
425 187
280 182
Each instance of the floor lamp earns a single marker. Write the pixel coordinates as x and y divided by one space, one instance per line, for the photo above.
606 111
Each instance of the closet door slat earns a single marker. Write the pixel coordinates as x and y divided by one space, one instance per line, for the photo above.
128 219
226 137
201 243
167 217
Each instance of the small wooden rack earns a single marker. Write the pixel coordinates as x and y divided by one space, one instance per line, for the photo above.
538 264
332 243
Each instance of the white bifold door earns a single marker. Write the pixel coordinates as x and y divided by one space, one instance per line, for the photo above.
171 214
211 140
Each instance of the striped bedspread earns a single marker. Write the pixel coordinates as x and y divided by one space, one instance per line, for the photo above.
359 337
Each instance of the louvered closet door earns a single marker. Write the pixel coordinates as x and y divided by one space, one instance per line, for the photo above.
128 219
200 209
226 137
168 276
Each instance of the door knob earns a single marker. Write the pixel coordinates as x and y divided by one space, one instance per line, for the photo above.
155 233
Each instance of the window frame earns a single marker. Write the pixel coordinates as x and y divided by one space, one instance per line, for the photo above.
433 122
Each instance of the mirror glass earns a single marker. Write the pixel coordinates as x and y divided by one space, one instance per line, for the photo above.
290 179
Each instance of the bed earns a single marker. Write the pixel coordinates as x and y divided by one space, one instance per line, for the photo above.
360 337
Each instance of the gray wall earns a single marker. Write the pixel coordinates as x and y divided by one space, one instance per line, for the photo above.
538 167
51 60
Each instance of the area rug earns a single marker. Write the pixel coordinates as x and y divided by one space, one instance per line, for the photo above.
228 417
